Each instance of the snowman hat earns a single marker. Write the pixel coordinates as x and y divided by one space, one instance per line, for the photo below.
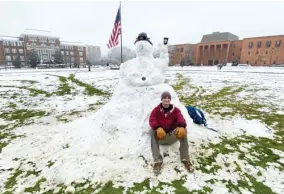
143 36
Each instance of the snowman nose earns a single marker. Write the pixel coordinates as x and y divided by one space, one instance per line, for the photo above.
143 78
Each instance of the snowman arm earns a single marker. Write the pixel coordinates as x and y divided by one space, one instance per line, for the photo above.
163 61
164 54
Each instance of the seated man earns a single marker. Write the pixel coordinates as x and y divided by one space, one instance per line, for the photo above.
168 125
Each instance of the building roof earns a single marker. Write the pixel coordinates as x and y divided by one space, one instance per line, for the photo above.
35 32
10 38
72 43
219 36
273 36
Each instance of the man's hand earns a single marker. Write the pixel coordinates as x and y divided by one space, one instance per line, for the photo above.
180 132
161 134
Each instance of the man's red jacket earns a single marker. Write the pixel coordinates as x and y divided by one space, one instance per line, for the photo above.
168 121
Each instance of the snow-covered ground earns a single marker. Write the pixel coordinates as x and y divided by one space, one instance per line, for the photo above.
57 143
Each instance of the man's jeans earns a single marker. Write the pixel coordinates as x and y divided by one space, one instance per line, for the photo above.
168 140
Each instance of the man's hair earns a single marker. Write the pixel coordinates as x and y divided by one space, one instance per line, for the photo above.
166 94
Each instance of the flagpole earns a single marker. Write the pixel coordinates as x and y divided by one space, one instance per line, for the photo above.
120 34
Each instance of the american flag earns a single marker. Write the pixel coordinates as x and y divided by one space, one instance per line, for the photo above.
116 31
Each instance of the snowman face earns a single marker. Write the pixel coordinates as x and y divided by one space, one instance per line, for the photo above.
143 48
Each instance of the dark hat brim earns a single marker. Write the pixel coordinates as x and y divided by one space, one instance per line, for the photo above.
142 38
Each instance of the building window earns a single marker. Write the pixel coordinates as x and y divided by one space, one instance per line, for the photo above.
266 52
257 52
256 62
6 43
20 44
80 48
248 53
7 50
240 49
62 52
274 62
81 59
81 54
181 50
233 54
268 43
177 49
8 58
258 44
264 62
9 63
250 44
247 62
71 53
278 42
21 50
239 58
67 53
14 50
22 58
72 59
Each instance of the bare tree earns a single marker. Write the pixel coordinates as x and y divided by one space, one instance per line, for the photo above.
114 54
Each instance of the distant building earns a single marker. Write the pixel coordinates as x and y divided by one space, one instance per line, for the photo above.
222 48
93 52
219 36
261 51
73 54
45 44
10 49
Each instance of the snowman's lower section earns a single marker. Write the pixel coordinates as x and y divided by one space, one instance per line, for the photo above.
129 109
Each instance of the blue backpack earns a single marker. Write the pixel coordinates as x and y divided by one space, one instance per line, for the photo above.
196 115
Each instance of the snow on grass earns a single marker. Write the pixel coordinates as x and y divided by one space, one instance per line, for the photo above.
49 143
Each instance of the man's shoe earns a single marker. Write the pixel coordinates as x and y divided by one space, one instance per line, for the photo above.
188 165
157 167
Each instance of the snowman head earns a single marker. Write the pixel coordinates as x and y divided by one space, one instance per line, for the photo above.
143 45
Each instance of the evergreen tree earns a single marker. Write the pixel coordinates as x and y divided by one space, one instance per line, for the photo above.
17 62
33 58
58 59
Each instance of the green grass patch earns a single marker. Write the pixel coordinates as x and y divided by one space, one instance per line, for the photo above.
12 105
89 89
36 187
21 115
11 181
28 81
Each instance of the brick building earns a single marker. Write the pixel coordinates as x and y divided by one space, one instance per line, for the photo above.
261 51
45 44
218 48
10 49
73 54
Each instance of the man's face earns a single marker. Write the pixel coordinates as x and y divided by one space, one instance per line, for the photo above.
166 101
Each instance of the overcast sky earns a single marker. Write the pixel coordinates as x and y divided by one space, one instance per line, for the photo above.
183 22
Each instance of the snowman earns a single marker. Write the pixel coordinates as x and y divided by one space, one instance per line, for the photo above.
144 70
125 118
